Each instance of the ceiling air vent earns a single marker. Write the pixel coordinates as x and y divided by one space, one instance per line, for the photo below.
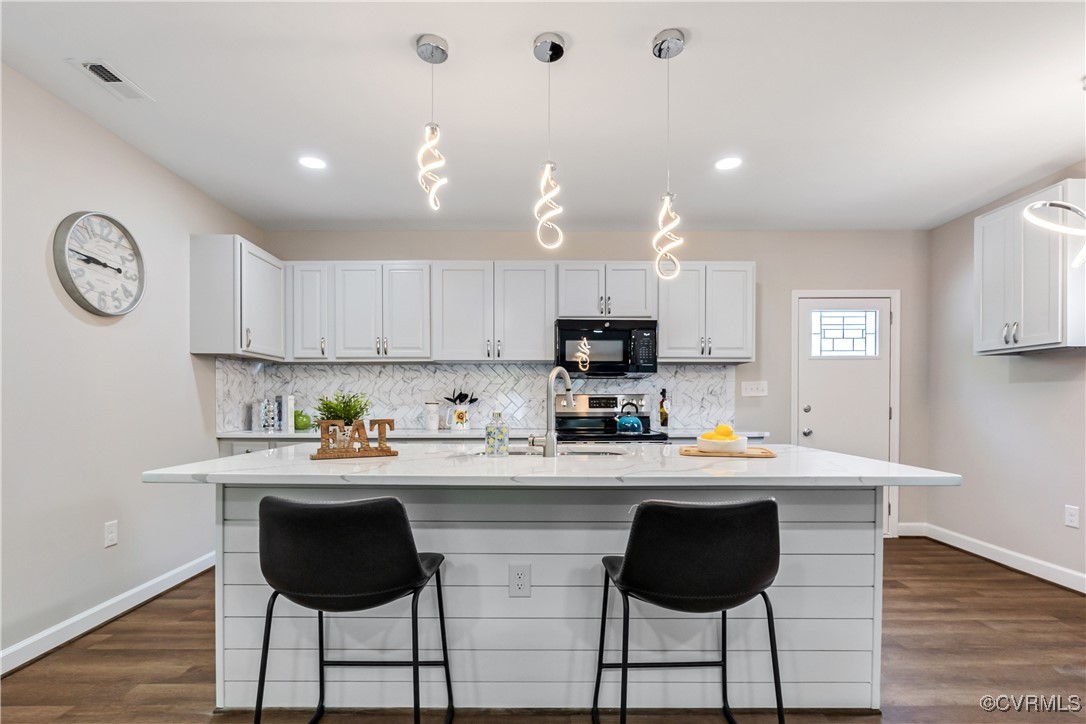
109 78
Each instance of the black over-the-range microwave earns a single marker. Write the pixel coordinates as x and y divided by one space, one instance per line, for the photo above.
606 347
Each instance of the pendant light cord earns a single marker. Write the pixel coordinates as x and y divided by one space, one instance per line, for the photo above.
548 111
667 147
431 92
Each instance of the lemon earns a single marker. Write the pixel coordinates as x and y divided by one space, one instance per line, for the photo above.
725 431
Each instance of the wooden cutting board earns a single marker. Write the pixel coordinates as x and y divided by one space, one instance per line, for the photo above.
752 452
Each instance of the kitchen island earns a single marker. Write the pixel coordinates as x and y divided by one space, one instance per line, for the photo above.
560 515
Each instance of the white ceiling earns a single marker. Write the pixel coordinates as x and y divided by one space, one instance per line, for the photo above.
847 115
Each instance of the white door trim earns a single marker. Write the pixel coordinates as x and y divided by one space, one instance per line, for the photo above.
894 295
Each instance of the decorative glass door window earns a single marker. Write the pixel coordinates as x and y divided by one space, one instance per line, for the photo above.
845 333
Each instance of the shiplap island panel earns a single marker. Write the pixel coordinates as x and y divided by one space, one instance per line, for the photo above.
561 515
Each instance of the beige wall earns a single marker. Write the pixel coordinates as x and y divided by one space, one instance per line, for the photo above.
786 261
1014 426
90 402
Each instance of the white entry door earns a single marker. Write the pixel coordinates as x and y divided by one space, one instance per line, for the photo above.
843 379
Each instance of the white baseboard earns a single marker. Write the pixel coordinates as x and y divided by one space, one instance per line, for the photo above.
1066 577
45 641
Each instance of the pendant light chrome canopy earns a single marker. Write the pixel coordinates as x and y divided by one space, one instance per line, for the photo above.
548 48
433 50
666 45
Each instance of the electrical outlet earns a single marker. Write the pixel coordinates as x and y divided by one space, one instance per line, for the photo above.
520 580
755 389
111 534
1070 516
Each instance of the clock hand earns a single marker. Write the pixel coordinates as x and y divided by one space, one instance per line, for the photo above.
88 259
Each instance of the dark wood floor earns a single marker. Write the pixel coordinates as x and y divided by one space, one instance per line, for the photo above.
956 628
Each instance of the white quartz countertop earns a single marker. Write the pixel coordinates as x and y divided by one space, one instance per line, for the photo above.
452 464
469 434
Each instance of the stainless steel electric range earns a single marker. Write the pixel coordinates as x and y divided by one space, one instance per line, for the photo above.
594 418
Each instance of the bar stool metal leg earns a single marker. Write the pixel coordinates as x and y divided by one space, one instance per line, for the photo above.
625 654
415 652
320 670
264 658
773 655
724 666
450 712
599 663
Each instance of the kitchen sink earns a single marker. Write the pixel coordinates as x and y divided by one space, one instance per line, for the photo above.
563 450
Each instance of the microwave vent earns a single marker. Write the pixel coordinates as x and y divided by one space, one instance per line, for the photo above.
106 76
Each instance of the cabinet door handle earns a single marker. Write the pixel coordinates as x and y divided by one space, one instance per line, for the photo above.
601 305
1006 330
378 345
710 346
499 349
608 305
1014 333
488 349
702 345
807 432
322 346
248 338
386 346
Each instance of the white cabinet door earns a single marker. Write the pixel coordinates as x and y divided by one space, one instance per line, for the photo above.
524 311
1040 319
581 289
631 290
262 308
729 311
682 314
994 275
310 332
357 310
462 311
406 313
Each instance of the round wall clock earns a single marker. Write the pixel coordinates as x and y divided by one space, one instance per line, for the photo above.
99 263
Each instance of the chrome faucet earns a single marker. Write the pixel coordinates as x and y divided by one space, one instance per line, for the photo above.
550 439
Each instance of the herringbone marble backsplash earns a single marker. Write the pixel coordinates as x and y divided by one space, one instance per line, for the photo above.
701 395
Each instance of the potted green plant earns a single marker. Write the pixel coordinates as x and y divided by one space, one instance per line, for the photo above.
343 406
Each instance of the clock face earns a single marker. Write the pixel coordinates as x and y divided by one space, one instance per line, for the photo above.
99 264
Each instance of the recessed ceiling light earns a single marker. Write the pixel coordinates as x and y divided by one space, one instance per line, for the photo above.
312 162
728 163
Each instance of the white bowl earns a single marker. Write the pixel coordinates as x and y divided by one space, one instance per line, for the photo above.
732 446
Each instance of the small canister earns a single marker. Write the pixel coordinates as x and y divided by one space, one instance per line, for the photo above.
497 436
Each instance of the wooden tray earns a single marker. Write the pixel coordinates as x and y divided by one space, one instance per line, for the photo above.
752 452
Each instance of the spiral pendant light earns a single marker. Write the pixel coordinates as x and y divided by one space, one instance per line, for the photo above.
548 48
433 50
666 45
1029 214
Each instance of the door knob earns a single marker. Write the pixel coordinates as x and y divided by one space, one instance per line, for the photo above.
807 432
806 408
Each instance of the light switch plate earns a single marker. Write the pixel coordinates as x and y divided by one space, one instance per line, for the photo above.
111 534
755 389
1070 516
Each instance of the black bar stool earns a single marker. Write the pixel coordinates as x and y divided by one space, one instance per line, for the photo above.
349 556
694 558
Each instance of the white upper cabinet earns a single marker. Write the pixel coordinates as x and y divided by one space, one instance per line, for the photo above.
1026 295
406 311
631 290
581 289
524 311
729 311
310 294
486 311
619 289
236 298
707 313
682 314
463 310
357 311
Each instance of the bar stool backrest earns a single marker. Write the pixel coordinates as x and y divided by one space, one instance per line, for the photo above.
699 558
317 553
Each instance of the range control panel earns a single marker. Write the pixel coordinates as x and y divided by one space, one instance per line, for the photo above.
599 405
